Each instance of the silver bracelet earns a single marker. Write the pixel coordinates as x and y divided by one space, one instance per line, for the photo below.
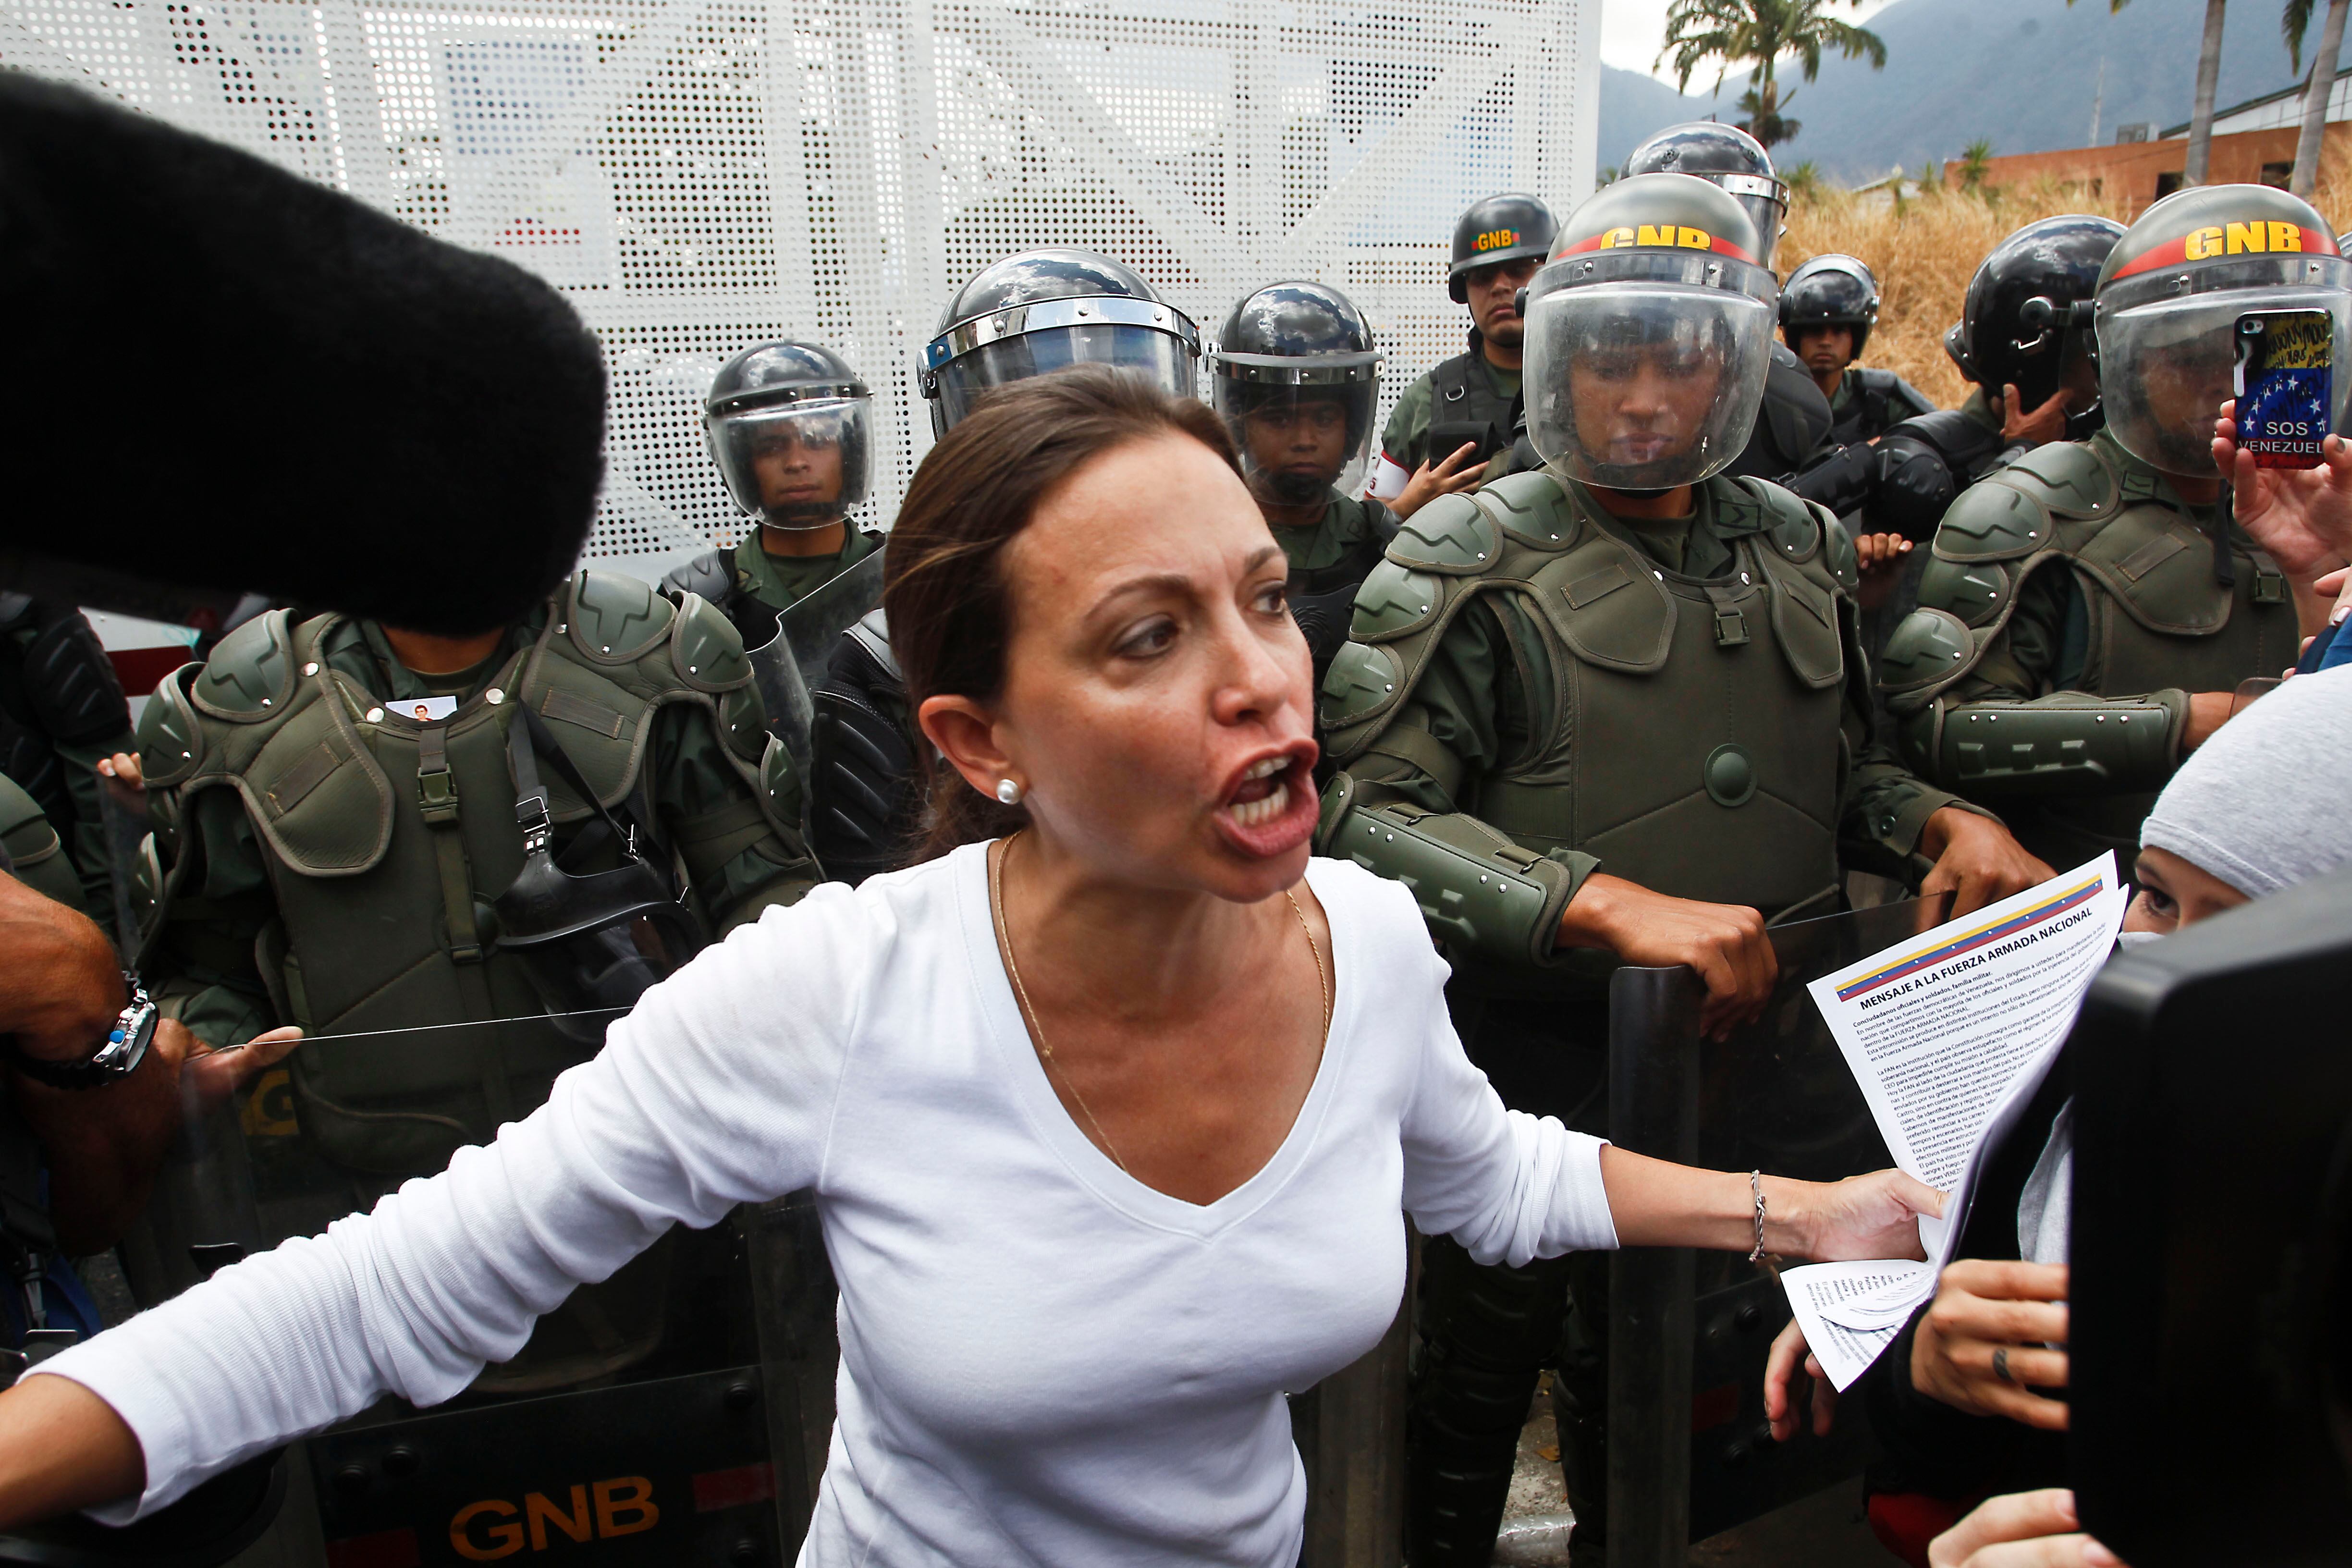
1756 1186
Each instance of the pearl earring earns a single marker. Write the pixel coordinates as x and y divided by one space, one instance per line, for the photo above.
1008 792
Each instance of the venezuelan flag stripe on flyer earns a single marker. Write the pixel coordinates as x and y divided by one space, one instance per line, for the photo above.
2056 904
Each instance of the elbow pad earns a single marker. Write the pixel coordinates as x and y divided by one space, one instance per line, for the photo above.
1914 486
1841 481
2072 744
1479 892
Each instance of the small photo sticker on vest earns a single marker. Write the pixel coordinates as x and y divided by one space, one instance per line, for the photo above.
425 710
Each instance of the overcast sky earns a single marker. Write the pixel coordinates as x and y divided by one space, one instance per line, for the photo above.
1630 31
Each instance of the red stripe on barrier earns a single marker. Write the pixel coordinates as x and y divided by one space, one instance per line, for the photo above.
387 1549
715 1490
141 670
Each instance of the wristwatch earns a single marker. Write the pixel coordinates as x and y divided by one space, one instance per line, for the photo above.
116 1057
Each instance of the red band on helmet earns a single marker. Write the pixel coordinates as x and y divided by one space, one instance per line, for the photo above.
2222 241
1648 237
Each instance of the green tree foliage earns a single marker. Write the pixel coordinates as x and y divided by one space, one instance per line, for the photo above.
1760 35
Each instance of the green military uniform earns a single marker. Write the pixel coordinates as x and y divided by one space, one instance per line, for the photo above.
31 851
2072 602
753 586
1467 387
333 862
1327 561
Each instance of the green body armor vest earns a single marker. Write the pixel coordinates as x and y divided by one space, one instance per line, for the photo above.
2157 620
1689 730
386 839
37 855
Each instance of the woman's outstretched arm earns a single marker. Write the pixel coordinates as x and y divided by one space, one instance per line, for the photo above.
62 1447
1656 1204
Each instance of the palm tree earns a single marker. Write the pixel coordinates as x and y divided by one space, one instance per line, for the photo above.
2297 18
1757 34
2209 76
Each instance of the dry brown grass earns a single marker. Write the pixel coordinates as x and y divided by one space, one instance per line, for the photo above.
1925 252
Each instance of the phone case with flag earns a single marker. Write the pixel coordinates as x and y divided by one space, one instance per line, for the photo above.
2285 387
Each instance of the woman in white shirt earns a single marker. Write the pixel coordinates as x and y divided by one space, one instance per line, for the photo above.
1096 1189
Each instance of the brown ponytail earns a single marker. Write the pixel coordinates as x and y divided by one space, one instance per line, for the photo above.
944 589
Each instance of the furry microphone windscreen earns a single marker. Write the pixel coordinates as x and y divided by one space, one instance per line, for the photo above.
225 377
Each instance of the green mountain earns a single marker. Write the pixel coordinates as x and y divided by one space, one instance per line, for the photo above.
2027 75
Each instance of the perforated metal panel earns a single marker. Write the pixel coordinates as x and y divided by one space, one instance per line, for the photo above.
699 175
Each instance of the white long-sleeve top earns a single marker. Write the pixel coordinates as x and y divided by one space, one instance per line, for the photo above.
1042 1361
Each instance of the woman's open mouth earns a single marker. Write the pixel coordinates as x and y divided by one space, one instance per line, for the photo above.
1271 809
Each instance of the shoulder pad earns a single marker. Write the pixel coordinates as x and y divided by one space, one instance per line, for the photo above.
71 684
1975 590
2069 478
1531 508
250 676
1363 679
1394 600
1878 380
1798 530
19 811
781 782
1844 564
1994 520
1951 435
705 646
1450 535
868 639
614 619
710 574
170 736
1928 649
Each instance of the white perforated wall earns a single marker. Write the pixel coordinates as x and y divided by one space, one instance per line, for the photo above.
698 175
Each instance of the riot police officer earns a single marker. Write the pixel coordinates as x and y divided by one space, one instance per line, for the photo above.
1029 314
2090 608
1792 424
1827 309
1611 711
62 713
1468 400
1297 379
789 426
364 829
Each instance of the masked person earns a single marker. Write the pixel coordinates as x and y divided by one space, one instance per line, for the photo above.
1469 400
1827 311
2090 608
1296 378
1613 711
789 426
364 829
1028 315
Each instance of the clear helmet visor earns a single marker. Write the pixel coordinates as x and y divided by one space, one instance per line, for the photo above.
1300 443
1162 358
1642 385
2167 360
795 464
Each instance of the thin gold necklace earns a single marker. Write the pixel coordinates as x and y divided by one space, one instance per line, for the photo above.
1037 1030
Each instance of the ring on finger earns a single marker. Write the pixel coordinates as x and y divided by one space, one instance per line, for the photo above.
2001 1364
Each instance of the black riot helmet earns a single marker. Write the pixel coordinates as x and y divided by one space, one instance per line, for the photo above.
788 425
1830 290
2018 325
1726 156
1042 311
1296 379
1649 335
1499 228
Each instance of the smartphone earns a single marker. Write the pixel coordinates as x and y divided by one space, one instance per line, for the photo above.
2285 387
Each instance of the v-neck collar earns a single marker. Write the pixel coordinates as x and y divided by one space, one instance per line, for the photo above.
1092 1169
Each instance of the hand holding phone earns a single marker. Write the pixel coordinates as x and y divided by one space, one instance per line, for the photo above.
2284 382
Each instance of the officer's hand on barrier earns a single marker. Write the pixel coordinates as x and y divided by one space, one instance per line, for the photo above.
124 765
1789 1350
209 1077
1984 1342
1724 943
1977 861
2301 517
1430 481
2037 427
1879 558
2023 1529
2208 711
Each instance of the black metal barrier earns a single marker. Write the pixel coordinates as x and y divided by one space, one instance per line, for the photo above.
676 1415
1350 1429
1689 1451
